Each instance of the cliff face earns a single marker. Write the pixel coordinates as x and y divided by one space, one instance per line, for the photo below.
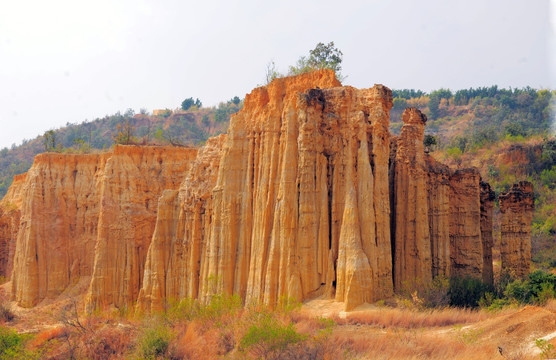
516 206
132 182
57 231
66 198
299 206
307 195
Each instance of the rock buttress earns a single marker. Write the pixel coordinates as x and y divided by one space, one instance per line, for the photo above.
466 248
412 244
10 212
133 179
516 206
487 204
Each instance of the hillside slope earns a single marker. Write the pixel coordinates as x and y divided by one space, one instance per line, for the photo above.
182 128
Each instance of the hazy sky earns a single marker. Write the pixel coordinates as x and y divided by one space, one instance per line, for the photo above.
68 61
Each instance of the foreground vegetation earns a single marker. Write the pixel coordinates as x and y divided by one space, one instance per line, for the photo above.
224 329
422 323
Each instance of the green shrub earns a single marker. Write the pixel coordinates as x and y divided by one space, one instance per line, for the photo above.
537 289
12 345
218 306
467 291
287 304
154 342
547 349
454 152
542 285
548 177
491 303
518 290
10 342
269 338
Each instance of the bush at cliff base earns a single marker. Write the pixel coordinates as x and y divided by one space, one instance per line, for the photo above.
537 289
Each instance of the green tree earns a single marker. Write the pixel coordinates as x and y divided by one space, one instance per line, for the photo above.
323 56
235 100
429 141
434 101
129 112
187 103
124 133
49 140
399 103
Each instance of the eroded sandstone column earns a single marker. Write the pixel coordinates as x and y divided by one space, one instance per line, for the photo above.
412 246
177 252
438 187
466 247
487 204
516 206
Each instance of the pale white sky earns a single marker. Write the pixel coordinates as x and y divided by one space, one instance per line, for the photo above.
70 60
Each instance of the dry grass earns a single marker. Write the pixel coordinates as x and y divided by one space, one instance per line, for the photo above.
387 317
406 344
551 305
108 342
372 333
6 313
48 335
194 341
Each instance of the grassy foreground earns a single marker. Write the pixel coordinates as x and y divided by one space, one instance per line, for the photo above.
319 329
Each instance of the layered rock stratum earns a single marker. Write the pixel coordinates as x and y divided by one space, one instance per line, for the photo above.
307 195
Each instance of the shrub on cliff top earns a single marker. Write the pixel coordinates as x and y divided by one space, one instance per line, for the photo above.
321 57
